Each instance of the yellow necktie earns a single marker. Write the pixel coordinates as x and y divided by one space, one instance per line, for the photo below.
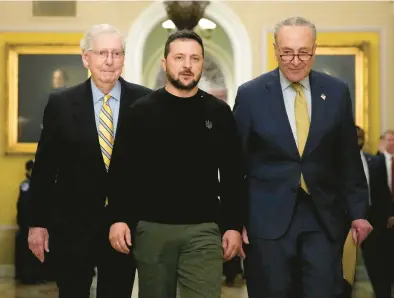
106 131
302 123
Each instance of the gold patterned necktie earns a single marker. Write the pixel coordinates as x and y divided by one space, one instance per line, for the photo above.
106 131
302 123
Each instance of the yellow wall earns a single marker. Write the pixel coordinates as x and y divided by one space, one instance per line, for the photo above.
258 17
12 166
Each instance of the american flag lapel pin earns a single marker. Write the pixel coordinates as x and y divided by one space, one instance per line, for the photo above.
323 96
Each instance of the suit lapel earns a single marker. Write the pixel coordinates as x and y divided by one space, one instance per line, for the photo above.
84 117
279 112
318 106
126 100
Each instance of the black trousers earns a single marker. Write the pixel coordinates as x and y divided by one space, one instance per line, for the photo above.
302 263
377 252
231 268
77 251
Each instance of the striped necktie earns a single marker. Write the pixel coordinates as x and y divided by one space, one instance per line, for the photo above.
106 131
302 123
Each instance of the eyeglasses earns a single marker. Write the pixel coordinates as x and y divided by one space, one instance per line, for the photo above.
290 57
105 54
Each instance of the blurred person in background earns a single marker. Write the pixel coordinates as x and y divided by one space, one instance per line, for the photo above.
28 269
388 153
381 146
380 214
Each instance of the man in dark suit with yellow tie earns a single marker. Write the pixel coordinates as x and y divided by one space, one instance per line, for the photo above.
75 165
302 172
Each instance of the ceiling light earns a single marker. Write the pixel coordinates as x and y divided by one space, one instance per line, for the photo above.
206 24
169 25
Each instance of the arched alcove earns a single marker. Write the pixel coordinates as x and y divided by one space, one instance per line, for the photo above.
218 12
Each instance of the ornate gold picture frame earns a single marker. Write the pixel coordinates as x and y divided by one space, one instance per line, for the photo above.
33 72
349 63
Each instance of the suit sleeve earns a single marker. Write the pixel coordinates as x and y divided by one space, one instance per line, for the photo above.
242 118
230 175
45 166
122 198
243 127
354 183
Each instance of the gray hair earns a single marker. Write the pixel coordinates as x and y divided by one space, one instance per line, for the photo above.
294 21
96 30
387 132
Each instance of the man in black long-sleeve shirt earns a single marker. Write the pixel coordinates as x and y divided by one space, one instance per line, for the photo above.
180 139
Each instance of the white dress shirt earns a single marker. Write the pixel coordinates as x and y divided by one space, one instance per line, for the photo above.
388 158
366 172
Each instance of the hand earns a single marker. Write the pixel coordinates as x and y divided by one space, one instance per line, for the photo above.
390 222
360 230
119 236
245 238
38 242
231 244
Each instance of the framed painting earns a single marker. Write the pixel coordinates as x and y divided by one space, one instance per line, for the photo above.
35 71
350 64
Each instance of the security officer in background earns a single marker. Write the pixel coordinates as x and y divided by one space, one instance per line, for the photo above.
28 269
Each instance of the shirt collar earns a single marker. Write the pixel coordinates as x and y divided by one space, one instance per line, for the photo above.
98 95
285 83
387 155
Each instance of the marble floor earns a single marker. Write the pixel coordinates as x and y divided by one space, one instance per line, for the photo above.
9 289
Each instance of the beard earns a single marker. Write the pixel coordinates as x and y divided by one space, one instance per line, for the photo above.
179 85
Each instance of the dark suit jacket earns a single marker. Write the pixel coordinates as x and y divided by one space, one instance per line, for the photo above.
381 207
331 162
69 183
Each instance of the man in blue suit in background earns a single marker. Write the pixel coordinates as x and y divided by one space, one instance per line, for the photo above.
303 172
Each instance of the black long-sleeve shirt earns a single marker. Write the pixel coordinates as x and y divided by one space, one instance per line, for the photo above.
173 155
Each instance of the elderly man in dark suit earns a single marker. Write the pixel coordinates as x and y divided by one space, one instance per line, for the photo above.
302 172
74 169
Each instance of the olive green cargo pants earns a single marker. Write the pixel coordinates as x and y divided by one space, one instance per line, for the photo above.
188 256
